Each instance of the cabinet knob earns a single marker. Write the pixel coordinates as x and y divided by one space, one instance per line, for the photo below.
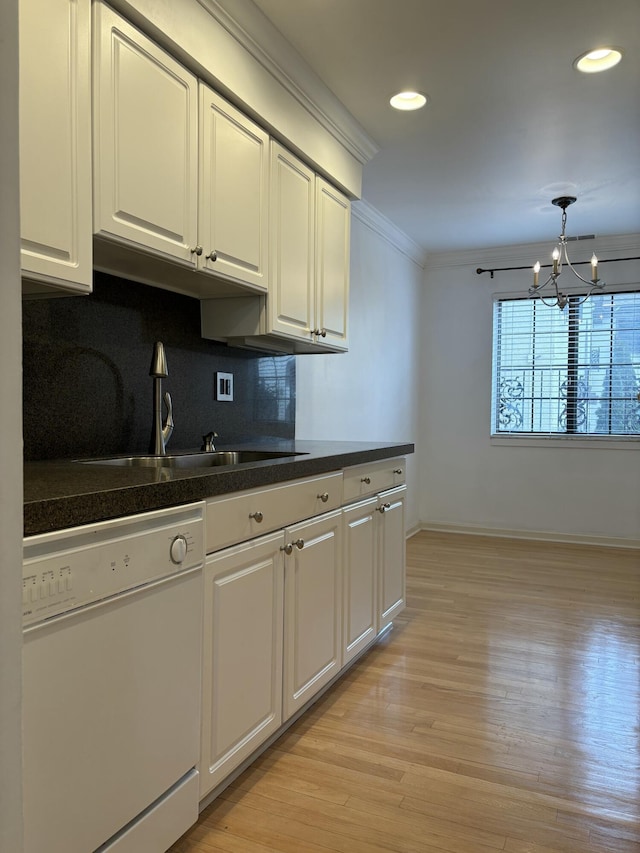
322 333
324 497
196 251
397 470
384 507
288 548
256 516
212 256
366 480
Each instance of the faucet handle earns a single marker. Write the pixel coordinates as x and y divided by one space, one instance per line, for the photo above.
208 443
168 425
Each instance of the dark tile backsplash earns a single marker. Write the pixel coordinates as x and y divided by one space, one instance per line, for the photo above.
87 389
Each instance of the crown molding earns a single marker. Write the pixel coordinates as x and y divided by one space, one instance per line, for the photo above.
257 35
373 219
529 253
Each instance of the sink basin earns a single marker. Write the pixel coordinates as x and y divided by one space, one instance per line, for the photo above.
212 459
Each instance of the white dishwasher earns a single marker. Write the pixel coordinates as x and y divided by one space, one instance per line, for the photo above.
111 674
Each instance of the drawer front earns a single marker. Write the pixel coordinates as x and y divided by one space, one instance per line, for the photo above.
236 518
364 480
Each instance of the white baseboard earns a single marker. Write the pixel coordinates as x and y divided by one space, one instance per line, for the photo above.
413 530
542 535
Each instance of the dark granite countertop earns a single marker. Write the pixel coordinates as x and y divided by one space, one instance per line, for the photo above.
67 493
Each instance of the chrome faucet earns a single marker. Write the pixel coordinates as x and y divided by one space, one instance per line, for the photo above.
161 433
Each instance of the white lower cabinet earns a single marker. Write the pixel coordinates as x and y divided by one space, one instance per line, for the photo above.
283 613
373 568
391 555
312 608
360 600
242 654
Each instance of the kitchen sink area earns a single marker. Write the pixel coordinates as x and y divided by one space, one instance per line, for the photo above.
61 493
206 459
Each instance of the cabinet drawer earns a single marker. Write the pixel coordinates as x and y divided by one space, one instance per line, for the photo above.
363 480
244 515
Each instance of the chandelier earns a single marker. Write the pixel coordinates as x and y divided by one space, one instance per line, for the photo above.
553 296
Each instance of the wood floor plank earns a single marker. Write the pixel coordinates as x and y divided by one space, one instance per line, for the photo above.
501 713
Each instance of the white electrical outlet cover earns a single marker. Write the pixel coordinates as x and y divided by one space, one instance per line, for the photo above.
224 386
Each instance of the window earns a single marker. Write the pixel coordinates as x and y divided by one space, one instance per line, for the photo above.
570 372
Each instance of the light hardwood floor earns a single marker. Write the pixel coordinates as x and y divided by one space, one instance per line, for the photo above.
501 713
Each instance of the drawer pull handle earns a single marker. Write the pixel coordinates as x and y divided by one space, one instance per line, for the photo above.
384 507
366 480
324 497
397 470
257 516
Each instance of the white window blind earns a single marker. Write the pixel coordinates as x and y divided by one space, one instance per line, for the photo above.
575 371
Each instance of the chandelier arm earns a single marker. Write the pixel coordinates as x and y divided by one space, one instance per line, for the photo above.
551 280
590 282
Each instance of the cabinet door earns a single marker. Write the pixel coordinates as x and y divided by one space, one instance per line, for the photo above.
359 601
233 209
292 217
333 228
146 142
55 142
242 654
313 611
391 555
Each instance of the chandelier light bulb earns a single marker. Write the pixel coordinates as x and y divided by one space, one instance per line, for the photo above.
594 268
556 257
536 271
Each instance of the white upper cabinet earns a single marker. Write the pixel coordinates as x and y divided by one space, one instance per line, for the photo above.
234 175
333 238
146 141
306 308
310 234
291 295
55 143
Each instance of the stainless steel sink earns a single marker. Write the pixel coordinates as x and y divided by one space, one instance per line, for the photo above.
210 459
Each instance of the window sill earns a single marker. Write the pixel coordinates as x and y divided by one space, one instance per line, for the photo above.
604 442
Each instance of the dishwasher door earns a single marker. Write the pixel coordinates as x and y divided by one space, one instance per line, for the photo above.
111 701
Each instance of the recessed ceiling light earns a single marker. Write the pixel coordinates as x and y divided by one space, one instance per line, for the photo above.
408 101
598 60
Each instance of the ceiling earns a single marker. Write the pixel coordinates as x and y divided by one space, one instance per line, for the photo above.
510 123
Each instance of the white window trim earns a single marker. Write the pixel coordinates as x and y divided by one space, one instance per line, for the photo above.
532 439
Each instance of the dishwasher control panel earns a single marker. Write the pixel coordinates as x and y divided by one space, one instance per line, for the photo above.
75 567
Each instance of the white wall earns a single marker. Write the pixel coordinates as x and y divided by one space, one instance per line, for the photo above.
573 491
11 444
370 392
